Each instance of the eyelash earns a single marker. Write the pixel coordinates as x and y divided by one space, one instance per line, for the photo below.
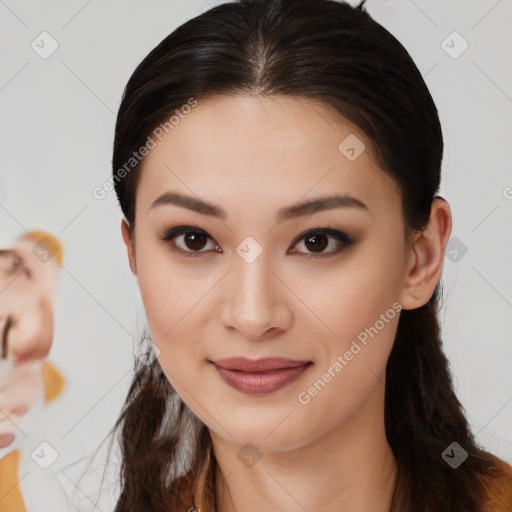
339 235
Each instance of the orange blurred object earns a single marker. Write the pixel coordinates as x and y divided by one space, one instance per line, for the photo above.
53 244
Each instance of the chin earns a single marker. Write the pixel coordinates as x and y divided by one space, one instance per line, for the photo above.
267 435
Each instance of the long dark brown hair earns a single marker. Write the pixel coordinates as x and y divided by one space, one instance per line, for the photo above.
327 51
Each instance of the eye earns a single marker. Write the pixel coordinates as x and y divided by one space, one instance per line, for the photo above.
17 265
194 240
317 240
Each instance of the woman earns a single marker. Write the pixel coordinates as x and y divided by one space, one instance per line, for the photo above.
29 274
276 163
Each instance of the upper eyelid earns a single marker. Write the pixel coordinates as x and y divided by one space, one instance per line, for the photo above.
326 230
181 230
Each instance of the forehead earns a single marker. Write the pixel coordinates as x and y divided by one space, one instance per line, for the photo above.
261 149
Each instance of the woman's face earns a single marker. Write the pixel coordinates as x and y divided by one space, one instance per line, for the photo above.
252 285
28 284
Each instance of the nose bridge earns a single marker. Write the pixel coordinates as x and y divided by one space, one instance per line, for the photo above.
255 302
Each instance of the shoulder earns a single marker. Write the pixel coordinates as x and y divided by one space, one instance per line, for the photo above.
498 486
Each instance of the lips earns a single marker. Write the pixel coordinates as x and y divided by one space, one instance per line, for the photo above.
261 376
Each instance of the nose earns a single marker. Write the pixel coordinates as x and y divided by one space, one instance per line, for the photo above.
256 304
33 337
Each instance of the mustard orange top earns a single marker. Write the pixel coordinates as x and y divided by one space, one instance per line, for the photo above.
499 490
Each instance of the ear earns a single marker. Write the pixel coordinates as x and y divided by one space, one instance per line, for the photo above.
130 246
427 257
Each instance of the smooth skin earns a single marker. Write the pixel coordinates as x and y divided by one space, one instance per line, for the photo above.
252 156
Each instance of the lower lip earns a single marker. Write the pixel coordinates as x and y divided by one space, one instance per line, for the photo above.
255 383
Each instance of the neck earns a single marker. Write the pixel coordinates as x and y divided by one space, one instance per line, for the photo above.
350 468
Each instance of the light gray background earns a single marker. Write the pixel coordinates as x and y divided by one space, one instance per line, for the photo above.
56 133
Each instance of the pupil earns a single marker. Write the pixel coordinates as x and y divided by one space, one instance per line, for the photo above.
193 240
318 241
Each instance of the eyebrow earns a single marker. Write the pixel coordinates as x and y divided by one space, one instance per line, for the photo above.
289 212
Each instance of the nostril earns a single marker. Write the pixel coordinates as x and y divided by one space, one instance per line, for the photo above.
5 333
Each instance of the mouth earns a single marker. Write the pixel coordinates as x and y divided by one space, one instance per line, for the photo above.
261 376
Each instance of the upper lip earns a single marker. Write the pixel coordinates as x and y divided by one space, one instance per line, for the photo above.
258 365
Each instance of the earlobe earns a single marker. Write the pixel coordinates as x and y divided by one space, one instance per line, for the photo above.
127 237
427 257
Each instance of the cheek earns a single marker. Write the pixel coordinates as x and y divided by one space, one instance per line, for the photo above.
171 303
169 322
164 303
354 365
162 291
356 315
342 302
